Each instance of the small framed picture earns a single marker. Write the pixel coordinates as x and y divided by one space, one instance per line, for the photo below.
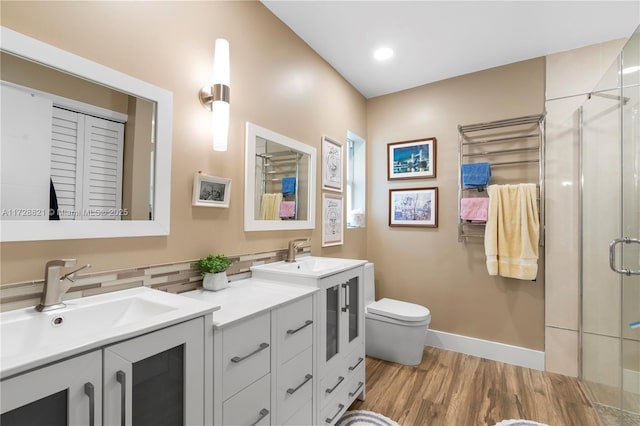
413 207
331 165
211 191
332 221
414 159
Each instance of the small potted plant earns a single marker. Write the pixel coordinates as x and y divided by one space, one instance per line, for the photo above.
213 271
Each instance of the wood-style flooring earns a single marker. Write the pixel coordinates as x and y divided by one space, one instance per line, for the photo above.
453 389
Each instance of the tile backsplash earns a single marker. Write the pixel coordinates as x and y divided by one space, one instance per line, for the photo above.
171 277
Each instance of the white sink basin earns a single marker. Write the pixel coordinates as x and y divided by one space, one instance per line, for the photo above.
29 337
305 266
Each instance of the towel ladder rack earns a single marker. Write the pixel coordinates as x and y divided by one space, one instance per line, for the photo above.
518 141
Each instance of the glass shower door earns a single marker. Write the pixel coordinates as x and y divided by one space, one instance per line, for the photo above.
610 165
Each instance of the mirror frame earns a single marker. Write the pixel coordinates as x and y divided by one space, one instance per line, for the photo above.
250 223
24 230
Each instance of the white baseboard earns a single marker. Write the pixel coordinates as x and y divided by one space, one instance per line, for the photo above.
515 355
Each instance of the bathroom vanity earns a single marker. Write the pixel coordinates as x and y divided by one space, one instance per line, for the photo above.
109 357
339 343
263 353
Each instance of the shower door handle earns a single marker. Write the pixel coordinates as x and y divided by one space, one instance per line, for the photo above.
612 256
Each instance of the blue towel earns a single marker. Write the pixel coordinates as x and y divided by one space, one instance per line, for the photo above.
476 175
288 185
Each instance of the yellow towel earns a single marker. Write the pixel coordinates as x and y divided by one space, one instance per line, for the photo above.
270 206
512 231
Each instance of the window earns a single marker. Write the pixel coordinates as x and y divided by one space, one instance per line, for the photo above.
356 180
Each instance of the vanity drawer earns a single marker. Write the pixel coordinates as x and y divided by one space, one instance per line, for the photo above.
332 383
250 406
355 385
334 408
303 416
355 360
295 328
294 384
246 353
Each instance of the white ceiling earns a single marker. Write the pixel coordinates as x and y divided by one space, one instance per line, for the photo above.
435 40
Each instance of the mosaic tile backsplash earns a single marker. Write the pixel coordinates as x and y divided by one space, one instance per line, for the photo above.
171 277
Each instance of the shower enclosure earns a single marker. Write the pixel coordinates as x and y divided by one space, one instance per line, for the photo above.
609 130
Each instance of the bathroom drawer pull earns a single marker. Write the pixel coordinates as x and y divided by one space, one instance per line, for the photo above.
360 359
356 391
329 390
307 377
121 377
262 347
263 413
331 419
306 323
89 391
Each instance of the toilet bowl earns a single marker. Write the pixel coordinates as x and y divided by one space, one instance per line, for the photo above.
395 331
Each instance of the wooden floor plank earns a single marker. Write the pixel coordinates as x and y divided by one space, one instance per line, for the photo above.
453 389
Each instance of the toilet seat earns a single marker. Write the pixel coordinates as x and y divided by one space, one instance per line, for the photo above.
398 310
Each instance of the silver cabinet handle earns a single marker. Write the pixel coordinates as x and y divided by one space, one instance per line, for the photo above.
89 391
121 377
262 347
360 359
345 287
329 420
329 390
307 377
355 392
263 413
612 256
306 323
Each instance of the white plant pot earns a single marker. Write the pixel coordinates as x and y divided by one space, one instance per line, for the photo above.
215 282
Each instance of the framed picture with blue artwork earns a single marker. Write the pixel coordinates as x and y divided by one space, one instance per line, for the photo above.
331 165
414 159
413 207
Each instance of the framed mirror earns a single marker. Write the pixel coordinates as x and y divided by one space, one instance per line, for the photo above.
86 149
279 181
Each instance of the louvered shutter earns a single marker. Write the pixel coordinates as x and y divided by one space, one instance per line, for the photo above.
103 153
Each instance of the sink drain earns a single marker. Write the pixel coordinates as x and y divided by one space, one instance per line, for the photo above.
57 321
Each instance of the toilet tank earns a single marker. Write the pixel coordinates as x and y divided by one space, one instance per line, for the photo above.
369 284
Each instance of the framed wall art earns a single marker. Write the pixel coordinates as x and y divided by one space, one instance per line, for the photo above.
414 159
413 207
211 191
331 165
332 220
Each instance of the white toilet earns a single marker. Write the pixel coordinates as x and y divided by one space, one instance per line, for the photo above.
395 331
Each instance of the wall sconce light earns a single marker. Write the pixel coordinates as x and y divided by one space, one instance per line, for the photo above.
215 98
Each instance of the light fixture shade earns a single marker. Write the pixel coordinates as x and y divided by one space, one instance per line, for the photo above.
220 90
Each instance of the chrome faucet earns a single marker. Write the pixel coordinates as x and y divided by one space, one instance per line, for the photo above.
293 248
55 286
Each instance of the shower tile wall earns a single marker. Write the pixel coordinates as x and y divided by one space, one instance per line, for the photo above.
568 75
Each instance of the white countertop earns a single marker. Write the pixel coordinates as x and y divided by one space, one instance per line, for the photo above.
30 338
248 297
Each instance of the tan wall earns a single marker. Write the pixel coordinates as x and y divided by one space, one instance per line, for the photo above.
429 266
277 82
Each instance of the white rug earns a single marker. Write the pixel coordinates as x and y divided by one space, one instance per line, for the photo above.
518 422
364 418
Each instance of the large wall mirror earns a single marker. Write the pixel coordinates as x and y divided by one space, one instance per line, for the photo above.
86 150
279 181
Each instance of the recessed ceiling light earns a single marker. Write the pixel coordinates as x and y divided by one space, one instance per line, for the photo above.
383 53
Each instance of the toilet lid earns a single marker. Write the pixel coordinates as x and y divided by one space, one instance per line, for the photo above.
400 310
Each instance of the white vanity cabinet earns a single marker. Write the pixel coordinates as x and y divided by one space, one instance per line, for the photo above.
339 349
263 353
155 378
341 343
65 393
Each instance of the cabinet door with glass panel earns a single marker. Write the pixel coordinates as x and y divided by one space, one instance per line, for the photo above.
65 393
156 379
341 322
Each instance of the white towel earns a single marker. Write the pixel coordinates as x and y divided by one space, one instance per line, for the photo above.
512 231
